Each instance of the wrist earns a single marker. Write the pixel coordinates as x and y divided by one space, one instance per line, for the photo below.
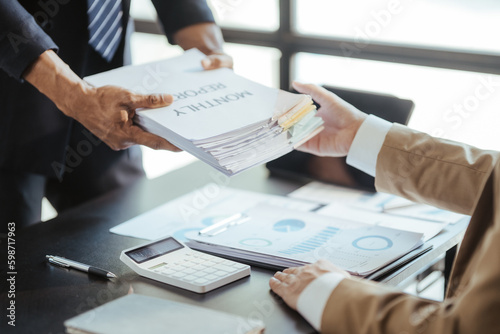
206 37
54 78
354 128
76 94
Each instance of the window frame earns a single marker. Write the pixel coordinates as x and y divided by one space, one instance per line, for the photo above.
290 42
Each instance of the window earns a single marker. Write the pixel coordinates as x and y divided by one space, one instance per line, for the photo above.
457 105
254 15
451 24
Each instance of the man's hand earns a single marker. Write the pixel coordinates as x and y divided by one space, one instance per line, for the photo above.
207 38
106 111
292 281
342 122
217 60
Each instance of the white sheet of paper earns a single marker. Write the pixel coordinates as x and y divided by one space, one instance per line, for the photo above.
398 206
374 202
199 209
329 193
147 78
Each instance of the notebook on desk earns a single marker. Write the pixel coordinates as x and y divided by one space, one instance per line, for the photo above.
134 314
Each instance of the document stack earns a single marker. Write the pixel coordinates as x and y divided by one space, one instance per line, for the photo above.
270 236
225 120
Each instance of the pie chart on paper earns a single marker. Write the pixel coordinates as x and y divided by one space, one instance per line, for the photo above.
289 225
373 243
256 242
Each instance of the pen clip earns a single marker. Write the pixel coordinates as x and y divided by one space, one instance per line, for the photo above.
224 224
59 263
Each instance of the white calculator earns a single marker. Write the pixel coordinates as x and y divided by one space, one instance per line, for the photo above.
170 261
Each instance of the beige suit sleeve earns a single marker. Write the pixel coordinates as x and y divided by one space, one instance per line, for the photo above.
455 177
424 169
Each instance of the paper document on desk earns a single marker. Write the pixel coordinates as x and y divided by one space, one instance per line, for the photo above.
284 238
199 209
225 120
385 204
325 193
398 206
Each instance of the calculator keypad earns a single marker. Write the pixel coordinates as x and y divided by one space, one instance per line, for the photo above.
199 268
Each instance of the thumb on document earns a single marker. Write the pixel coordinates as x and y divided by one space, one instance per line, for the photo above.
151 100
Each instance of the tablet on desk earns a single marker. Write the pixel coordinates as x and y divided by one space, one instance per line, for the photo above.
335 170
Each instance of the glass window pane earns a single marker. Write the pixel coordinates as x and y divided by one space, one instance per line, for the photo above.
259 15
246 14
457 24
452 104
146 48
260 64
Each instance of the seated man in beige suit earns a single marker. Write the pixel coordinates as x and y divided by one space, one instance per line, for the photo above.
407 163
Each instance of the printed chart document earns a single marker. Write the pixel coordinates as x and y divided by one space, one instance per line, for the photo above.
135 313
274 236
223 119
199 209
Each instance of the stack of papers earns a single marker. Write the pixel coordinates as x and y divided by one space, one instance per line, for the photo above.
223 119
285 238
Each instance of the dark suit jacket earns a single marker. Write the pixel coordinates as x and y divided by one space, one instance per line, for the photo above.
34 134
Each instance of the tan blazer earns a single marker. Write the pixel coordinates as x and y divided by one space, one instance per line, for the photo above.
455 177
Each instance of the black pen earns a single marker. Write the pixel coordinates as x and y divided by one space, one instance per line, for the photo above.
60 261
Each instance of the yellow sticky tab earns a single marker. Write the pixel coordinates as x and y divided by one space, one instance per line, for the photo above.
298 116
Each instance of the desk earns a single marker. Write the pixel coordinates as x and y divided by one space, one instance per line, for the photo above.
47 295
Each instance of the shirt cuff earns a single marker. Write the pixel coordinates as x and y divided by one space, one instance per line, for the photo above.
367 144
313 298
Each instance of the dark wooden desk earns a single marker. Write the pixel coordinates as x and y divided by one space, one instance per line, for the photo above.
47 295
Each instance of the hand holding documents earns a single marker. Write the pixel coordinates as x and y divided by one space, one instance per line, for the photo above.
221 118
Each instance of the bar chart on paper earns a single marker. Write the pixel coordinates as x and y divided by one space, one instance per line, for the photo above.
317 241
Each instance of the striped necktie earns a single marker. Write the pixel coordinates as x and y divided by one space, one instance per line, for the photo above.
105 26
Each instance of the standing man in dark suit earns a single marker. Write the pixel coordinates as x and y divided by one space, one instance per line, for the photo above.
53 123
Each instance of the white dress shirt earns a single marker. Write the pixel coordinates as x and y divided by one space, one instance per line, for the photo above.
362 155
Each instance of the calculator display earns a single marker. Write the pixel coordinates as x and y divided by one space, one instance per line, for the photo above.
154 250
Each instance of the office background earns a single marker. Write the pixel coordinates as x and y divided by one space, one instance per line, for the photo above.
444 55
